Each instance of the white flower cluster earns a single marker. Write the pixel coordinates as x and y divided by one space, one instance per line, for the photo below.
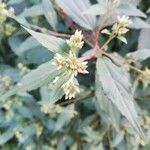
71 64
71 88
119 28
75 42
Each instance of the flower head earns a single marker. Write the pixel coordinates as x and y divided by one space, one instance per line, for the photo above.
124 21
120 28
71 88
75 42
71 64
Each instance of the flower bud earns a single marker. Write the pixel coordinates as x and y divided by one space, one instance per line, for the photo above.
71 89
75 42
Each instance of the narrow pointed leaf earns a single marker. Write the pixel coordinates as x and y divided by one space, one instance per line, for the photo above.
56 45
116 92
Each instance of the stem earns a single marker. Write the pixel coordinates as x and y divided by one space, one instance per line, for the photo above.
67 102
135 69
96 50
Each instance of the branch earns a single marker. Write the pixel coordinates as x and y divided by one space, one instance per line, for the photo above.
75 100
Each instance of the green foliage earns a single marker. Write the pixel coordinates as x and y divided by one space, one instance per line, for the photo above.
74 75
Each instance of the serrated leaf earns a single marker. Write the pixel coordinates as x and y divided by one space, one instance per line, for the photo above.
139 55
56 45
50 13
116 92
105 107
75 9
41 76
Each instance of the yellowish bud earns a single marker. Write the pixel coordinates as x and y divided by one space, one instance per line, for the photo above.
75 42
71 89
46 109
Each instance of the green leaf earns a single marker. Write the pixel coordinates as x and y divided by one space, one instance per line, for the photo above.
12 2
75 9
50 13
56 45
123 39
35 10
105 107
43 75
105 31
144 37
29 49
116 87
6 136
57 92
139 55
138 23
96 9
129 10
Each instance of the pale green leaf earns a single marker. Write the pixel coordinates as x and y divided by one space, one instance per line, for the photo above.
116 91
96 9
41 76
105 31
75 9
35 10
56 45
6 136
123 39
138 23
129 10
50 13
105 107
139 55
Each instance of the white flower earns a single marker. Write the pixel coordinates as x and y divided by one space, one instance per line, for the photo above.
74 66
124 21
71 63
121 27
71 88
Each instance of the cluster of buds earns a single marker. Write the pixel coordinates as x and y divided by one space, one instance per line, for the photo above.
119 29
75 42
72 64
19 136
145 77
23 68
71 87
39 129
49 109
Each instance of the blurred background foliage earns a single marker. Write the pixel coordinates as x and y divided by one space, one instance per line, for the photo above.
27 122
